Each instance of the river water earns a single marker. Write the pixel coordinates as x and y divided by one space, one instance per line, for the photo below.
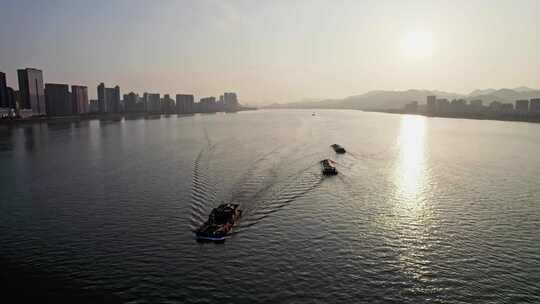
424 210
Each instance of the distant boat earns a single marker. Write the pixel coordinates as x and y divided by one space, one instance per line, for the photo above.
328 167
219 224
339 149
313 114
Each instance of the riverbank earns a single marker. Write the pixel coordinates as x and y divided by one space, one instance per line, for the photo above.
501 117
100 116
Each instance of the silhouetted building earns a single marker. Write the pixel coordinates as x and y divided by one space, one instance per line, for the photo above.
132 104
522 106
185 104
108 99
153 103
167 104
13 98
145 101
534 107
431 103
58 99
231 101
207 105
79 97
112 96
94 106
31 90
102 103
3 91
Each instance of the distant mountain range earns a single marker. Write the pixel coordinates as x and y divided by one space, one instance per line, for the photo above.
378 100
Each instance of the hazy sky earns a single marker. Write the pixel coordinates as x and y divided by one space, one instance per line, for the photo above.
274 51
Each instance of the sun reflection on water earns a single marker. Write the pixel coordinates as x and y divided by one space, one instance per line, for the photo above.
411 213
410 170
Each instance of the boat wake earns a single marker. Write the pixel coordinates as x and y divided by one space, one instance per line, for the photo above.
281 194
264 187
202 198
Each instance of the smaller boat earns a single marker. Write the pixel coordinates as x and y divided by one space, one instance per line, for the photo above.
339 149
219 224
328 167
313 114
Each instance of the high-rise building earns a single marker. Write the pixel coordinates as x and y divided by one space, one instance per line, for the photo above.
230 101
58 99
116 100
145 101
534 107
431 103
102 102
112 99
153 102
108 99
167 104
79 97
220 104
3 91
94 106
13 98
522 106
207 105
185 104
31 90
131 102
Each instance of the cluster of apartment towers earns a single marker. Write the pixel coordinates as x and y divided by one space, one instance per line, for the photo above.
53 99
436 105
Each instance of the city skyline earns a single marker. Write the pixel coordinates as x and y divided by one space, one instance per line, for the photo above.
203 46
38 97
9 83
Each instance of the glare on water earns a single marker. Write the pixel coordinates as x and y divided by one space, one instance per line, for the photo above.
410 170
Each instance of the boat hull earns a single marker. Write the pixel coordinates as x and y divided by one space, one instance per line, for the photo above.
219 225
328 168
204 239
338 149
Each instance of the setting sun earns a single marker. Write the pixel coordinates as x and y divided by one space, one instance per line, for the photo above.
417 44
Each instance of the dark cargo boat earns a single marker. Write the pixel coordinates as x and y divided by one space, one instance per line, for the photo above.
328 167
339 149
219 224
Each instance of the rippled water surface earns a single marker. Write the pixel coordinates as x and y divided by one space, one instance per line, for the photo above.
423 209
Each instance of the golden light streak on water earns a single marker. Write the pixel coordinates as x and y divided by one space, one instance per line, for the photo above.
410 171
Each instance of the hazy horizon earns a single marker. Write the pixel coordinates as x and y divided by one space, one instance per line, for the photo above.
274 51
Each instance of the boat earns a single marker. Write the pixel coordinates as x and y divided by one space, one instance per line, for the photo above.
328 167
219 224
339 149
